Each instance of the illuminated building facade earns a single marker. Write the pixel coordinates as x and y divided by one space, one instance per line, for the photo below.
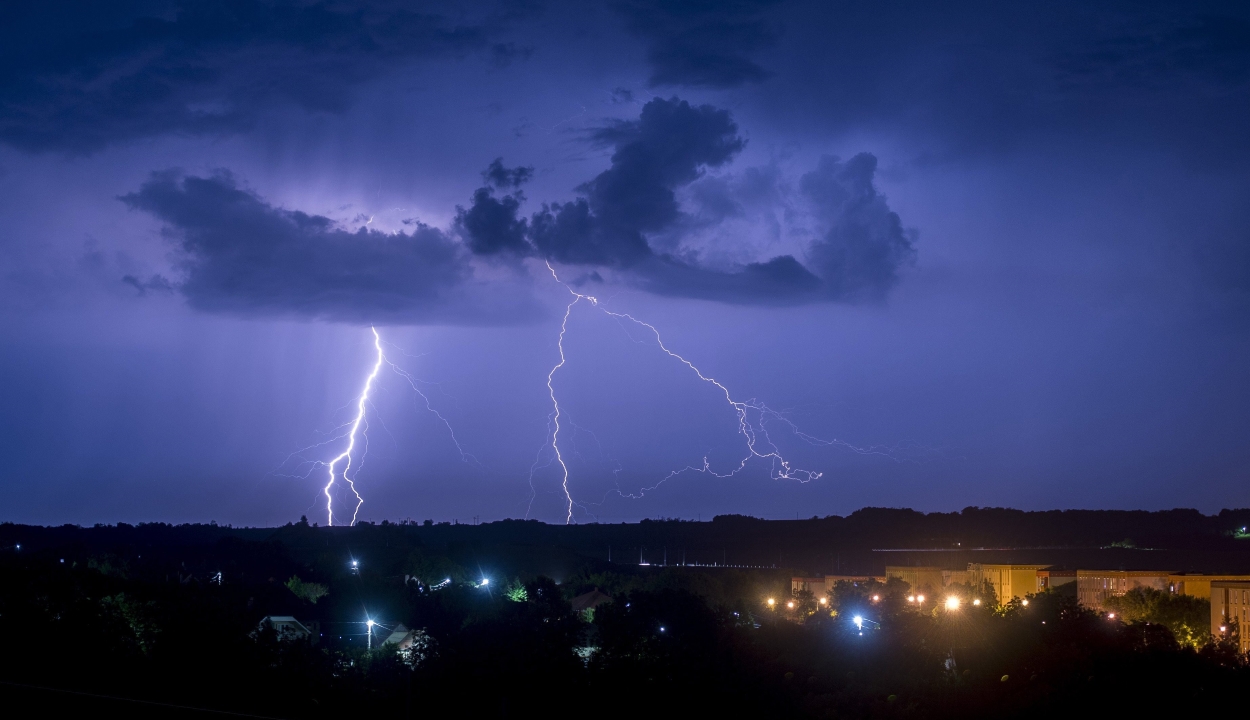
1199 585
820 585
1010 582
1230 601
1055 579
1093 587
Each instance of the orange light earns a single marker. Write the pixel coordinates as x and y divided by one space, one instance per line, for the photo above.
977 602
1025 602
911 598
875 598
1111 616
920 598
824 600
790 605
952 603
771 602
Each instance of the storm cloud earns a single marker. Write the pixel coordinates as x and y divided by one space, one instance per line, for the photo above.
701 42
80 75
857 257
242 256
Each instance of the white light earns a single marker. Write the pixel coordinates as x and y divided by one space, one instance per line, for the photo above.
369 623
486 581
977 601
920 598
1112 617
859 622
824 600
911 598
875 598
1025 602
354 563
661 628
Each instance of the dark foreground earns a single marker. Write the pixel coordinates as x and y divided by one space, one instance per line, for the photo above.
167 623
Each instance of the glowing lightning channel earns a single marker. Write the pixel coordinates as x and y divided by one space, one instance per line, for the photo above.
346 455
781 468
555 414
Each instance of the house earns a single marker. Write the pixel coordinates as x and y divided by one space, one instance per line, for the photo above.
288 628
590 600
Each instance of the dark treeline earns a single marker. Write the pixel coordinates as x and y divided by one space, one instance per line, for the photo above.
156 621
1181 540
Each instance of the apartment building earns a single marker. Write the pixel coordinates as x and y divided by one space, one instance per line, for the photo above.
1230 601
1093 587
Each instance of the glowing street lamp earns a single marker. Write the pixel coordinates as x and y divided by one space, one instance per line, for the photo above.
1025 602
824 601
369 624
859 623
771 602
911 598
875 598
977 602
952 603
790 604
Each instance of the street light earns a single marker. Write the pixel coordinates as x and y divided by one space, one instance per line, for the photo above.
771 602
790 604
911 598
875 598
952 603
1025 602
977 602
369 624
824 601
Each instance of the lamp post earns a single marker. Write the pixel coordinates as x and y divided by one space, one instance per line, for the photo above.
369 626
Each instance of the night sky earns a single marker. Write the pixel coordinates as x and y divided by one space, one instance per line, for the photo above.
968 253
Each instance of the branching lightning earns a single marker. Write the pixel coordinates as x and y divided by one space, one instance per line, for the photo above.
346 456
356 433
752 417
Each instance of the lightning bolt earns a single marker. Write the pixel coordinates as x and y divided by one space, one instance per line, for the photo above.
752 415
345 457
356 433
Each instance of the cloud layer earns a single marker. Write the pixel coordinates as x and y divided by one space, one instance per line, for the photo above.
242 256
79 76
858 253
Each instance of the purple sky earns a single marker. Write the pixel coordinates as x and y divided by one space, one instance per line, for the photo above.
998 255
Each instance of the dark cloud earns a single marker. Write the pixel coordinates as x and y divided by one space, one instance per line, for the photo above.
491 225
861 243
243 256
80 75
503 178
666 148
705 43
864 243
779 281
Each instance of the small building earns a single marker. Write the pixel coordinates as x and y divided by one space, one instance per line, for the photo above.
590 600
1230 601
1010 582
1056 579
400 636
1093 587
1198 584
288 628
